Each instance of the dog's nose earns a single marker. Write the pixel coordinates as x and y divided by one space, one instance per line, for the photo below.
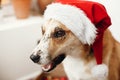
35 58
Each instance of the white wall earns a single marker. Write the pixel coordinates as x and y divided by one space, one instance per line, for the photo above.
113 8
17 40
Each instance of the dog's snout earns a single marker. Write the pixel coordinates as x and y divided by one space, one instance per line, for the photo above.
35 58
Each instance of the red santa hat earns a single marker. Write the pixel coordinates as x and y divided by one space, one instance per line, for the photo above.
87 20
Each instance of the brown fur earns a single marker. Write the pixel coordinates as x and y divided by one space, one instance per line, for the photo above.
112 51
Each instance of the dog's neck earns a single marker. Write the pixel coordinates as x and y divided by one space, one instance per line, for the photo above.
80 64
77 68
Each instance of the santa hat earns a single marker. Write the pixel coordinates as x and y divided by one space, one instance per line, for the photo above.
88 21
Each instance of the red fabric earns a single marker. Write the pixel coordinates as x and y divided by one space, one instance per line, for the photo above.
96 12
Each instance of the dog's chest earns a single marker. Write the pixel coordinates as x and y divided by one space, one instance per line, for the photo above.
76 69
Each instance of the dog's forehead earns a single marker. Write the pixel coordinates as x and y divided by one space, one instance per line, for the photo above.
51 25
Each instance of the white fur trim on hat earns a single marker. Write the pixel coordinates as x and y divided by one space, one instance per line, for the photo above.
100 71
74 19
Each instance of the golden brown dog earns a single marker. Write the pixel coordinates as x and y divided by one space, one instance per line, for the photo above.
59 44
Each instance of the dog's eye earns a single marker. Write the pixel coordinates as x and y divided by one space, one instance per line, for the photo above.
59 33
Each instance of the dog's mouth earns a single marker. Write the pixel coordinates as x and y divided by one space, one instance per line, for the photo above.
51 65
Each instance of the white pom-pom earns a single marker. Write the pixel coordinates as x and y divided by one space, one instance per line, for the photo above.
100 72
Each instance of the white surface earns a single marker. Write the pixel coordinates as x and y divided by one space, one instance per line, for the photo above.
12 22
30 76
1 15
17 40
113 10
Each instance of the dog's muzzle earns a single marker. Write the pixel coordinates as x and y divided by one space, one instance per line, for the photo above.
51 65
35 58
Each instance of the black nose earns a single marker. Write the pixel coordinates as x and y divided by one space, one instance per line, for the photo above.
35 58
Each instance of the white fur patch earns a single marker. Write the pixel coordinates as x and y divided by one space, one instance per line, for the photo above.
42 51
74 19
76 69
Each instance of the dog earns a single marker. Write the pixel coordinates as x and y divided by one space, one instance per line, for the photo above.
58 42
59 45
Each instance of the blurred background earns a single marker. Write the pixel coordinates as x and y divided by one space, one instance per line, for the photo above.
20 30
